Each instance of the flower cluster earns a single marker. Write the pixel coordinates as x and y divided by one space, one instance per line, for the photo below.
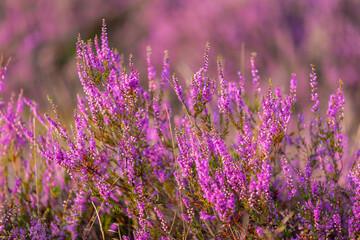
128 167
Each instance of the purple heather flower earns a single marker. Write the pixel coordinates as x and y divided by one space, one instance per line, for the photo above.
156 108
59 128
37 230
293 85
223 100
234 175
105 50
180 183
162 219
252 193
132 79
186 160
165 74
314 95
202 87
247 148
19 233
341 99
240 92
91 58
232 90
141 234
189 209
260 232
206 57
205 216
314 185
317 215
178 89
337 223
335 115
271 125
202 156
255 76
332 112
54 229
308 169
186 217
3 69
263 184
17 186
151 71
288 177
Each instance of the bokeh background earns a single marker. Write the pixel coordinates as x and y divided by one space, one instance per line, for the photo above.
288 36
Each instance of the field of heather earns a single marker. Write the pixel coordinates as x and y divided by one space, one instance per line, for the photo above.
179 119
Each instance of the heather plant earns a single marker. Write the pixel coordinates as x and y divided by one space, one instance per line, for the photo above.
232 163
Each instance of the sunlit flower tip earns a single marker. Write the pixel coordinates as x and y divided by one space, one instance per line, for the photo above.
341 99
293 85
314 94
206 57
104 38
3 69
241 81
255 74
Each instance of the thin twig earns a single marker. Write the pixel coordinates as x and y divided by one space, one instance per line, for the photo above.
101 229
232 233
172 225
188 229
208 227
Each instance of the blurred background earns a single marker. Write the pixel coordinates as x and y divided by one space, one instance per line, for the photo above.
40 37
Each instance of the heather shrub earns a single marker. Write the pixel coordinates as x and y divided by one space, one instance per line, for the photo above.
232 163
